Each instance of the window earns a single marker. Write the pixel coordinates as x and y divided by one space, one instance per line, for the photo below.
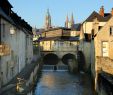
99 27
104 49
111 30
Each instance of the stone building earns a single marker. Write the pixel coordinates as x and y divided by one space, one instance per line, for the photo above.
87 30
103 55
16 48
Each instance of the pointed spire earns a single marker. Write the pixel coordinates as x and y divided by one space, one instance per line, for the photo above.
48 14
72 20
48 20
67 21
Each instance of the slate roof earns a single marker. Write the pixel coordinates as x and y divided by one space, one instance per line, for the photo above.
76 27
63 38
56 28
50 38
100 18
6 1
2 14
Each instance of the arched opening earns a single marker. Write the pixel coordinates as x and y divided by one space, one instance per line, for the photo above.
66 59
51 59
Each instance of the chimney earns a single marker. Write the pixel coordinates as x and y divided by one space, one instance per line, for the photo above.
112 12
101 12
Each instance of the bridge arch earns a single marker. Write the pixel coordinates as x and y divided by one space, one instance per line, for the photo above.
68 57
50 59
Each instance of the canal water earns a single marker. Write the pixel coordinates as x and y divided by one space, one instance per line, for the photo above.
63 83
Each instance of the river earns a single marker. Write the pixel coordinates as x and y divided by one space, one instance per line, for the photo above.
63 83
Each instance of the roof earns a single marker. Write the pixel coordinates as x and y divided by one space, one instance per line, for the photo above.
6 2
76 27
56 28
49 38
8 18
100 18
63 38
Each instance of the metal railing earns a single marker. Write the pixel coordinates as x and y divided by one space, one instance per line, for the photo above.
55 68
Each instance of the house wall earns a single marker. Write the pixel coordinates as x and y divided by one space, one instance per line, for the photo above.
104 35
21 49
14 62
85 46
29 48
54 33
74 33
92 59
59 45
103 63
8 62
88 26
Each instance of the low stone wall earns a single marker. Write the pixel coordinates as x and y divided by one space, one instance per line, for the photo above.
105 64
29 76
102 64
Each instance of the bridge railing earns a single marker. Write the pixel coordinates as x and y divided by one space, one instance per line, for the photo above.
55 68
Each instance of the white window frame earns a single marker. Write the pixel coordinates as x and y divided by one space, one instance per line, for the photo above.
105 49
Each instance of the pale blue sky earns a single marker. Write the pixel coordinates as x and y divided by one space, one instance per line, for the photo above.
33 11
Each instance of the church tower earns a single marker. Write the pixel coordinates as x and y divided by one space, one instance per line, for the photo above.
72 20
48 20
66 22
69 23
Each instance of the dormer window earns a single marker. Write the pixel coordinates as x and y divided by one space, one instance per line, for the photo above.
111 30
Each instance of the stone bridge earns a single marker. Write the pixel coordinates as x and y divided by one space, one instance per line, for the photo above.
58 57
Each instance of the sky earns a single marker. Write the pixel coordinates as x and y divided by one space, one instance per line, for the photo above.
34 11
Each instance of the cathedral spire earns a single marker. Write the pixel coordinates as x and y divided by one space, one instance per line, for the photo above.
72 20
67 21
48 20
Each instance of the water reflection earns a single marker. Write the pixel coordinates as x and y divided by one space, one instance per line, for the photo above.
61 83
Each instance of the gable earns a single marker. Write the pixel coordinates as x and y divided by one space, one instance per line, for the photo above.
104 33
99 17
